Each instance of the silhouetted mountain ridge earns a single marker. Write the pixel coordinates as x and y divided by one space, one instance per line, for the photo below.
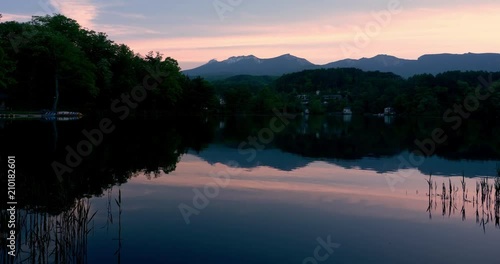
429 63
251 65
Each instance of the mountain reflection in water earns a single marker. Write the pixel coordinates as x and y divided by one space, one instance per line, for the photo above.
319 177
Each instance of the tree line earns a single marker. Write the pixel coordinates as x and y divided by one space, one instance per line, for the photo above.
331 90
52 61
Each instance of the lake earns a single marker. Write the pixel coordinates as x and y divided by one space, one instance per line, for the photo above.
269 189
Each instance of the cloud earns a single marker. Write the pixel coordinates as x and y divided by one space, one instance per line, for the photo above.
83 11
124 15
123 30
15 17
410 34
191 31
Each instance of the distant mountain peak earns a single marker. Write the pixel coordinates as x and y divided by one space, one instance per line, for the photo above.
291 57
384 56
236 59
243 57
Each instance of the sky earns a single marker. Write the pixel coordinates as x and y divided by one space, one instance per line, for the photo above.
321 31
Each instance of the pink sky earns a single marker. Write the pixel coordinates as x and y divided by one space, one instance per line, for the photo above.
409 35
195 32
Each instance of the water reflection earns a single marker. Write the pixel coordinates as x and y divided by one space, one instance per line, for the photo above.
389 120
135 147
56 213
447 198
363 137
45 238
119 239
325 168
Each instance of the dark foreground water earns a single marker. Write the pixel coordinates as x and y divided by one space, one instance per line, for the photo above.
253 190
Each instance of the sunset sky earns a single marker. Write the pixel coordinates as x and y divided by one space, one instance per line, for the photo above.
322 31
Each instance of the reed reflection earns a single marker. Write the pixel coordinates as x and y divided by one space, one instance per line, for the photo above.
45 238
484 203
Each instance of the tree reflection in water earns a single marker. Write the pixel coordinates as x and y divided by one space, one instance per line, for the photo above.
55 218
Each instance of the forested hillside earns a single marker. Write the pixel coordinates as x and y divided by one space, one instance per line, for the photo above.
331 90
54 55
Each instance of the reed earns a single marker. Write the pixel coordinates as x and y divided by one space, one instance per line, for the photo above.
429 183
119 204
497 200
61 238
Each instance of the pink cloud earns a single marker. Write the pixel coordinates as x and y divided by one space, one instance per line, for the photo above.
83 11
14 17
411 33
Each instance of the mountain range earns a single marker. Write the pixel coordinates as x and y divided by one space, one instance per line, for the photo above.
430 63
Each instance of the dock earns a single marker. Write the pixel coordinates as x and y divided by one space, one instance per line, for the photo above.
61 115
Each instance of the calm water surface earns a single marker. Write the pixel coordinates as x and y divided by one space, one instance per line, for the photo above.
322 190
